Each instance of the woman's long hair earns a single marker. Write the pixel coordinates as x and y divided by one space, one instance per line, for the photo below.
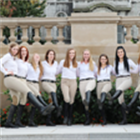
67 60
19 53
99 63
139 59
47 53
91 67
126 65
35 66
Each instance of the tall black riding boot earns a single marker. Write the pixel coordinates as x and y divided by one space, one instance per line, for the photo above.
103 97
104 116
31 117
59 108
45 104
12 111
70 116
138 113
87 100
45 110
66 110
49 122
124 121
134 99
116 95
87 122
19 114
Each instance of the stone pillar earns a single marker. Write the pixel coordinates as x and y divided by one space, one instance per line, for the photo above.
48 37
138 33
128 37
36 37
60 37
1 34
24 37
12 37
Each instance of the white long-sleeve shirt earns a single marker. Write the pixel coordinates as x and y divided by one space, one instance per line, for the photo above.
84 72
22 68
136 70
32 74
105 73
69 73
49 72
8 64
121 68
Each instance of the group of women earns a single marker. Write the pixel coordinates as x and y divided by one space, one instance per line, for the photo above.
22 79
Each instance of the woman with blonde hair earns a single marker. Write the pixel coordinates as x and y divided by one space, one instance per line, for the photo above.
34 74
86 72
9 67
68 69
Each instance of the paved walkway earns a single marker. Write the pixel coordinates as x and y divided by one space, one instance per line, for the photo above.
74 132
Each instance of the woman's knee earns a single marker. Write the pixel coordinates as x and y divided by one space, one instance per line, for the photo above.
15 100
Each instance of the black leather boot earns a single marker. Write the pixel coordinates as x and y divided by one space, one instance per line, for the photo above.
66 110
49 122
116 95
45 110
133 100
12 111
103 97
19 114
59 108
104 116
138 113
87 100
124 121
87 122
31 117
70 116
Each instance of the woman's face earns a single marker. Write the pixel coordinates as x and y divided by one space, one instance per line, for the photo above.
120 53
36 58
86 55
51 56
14 50
103 60
23 52
71 54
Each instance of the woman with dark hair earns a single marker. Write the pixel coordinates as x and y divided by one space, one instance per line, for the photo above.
86 70
137 90
104 85
123 78
48 81
9 67
68 69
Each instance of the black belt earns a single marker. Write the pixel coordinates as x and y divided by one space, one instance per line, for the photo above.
105 80
51 81
10 75
123 76
32 81
21 77
86 79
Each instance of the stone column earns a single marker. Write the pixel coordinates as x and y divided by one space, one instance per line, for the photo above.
49 36
12 37
24 37
138 33
36 37
1 34
128 37
60 37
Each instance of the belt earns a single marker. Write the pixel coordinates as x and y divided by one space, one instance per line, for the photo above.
32 81
103 80
123 76
10 75
86 79
51 81
21 77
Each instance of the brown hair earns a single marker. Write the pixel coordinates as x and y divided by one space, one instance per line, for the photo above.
99 63
19 53
67 62
47 53
91 67
35 67
12 46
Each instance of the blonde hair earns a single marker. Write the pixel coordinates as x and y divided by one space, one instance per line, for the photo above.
91 67
67 62
35 66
